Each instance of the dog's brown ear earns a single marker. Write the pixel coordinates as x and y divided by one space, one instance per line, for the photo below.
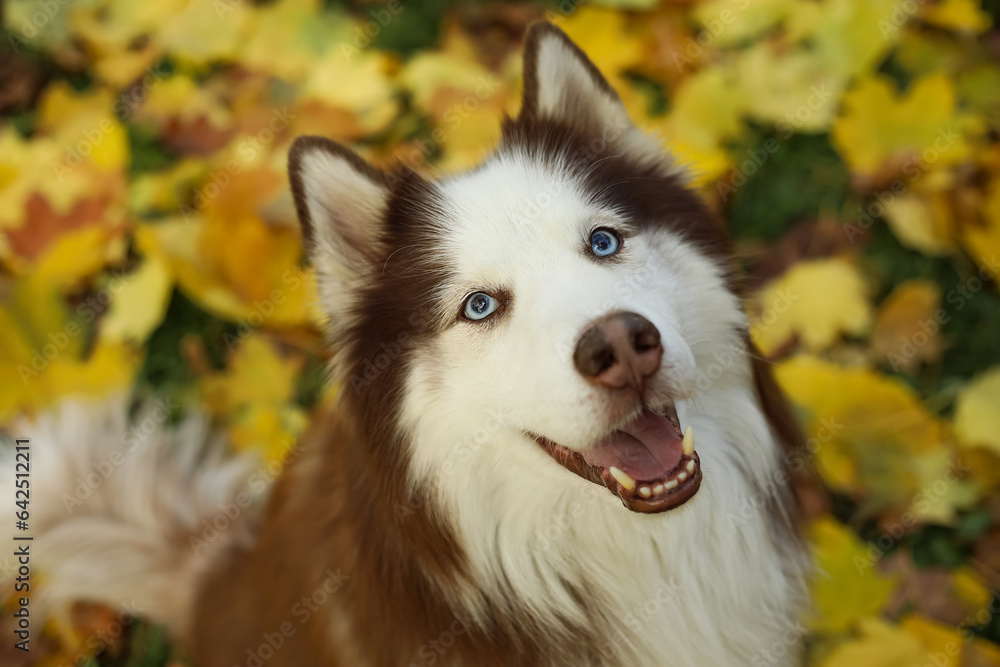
341 202
561 83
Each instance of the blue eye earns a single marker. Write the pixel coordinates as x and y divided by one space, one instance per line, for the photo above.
604 242
480 305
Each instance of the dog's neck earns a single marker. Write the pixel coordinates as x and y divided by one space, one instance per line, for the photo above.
559 555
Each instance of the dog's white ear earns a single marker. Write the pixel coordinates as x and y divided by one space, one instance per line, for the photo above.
561 83
341 202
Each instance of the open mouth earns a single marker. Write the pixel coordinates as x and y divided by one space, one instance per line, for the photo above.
649 464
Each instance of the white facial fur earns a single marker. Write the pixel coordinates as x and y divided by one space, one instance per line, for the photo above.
528 523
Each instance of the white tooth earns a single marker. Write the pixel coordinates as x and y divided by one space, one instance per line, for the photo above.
623 478
688 443
669 485
690 466
681 477
658 489
645 492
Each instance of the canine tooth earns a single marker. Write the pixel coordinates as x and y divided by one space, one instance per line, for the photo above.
681 477
669 485
658 489
623 478
690 466
688 443
645 492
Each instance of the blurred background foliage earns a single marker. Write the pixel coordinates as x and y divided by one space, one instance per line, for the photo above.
148 240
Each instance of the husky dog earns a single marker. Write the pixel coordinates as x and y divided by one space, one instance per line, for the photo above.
552 443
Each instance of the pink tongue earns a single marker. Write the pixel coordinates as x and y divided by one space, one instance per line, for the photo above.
647 449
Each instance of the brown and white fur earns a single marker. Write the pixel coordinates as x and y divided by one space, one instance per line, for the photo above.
432 526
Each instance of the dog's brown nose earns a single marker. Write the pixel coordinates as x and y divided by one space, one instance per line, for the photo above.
619 350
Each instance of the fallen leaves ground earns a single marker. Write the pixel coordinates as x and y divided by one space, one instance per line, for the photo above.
148 239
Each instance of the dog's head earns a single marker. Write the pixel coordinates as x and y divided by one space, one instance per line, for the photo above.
543 320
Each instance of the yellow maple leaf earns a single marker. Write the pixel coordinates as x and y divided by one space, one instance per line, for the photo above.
977 417
922 221
969 587
42 349
41 166
916 641
846 588
463 100
961 15
360 86
908 325
795 91
286 38
870 436
605 34
879 128
107 369
179 96
168 189
982 653
256 374
707 112
983 241
256 394
87 124
732 23
111 26
139 303
817 300
271 430
979 87
202 33
848 37
238 268
943 644
78 254
426 73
